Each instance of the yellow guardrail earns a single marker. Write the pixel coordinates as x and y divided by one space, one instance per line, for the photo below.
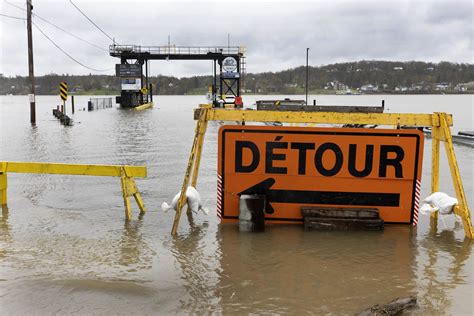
126 174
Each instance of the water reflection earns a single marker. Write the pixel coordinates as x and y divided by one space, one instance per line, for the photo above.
35 145
5 231
133 143
66 143
287 269
133 249
36 150
443 257
196 259
44 250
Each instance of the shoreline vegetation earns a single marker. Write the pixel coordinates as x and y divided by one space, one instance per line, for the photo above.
362 77
311 92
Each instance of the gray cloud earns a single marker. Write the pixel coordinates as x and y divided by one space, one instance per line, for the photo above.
276 33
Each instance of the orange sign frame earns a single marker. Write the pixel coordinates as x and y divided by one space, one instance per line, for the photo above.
303 166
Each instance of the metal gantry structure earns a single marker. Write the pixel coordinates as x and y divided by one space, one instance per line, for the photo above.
228 61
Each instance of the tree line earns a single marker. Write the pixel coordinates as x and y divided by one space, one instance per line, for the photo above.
387 76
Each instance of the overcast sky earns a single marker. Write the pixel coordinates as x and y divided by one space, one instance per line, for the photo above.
276 33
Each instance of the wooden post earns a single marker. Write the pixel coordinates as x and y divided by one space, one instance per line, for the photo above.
29 7
72 103
306 85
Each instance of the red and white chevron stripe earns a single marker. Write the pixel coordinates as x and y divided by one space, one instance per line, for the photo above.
417 202
219 196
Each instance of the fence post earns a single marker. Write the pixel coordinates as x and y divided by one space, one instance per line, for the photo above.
3 184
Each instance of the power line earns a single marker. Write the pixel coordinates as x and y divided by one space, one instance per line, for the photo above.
12 17
65 53
14 5
59 28
70 34
75 6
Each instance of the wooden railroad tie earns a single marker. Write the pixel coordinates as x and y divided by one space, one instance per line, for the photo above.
341 218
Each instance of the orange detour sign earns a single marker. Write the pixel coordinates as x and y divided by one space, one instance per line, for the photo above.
302 166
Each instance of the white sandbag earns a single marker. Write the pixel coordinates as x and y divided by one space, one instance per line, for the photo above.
193 199
440 202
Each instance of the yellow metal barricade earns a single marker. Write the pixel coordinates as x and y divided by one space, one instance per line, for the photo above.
440 123
126 174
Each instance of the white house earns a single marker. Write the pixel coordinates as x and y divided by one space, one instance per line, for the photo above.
369 87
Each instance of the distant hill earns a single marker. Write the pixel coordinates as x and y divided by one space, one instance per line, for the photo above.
364 76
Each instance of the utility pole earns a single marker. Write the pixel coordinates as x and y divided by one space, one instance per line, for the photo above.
29 7
307 52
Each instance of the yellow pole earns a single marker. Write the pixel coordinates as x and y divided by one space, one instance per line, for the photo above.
462 209
138 199
3 184
3 189
125 194
199 151
435 138
197 162
191 161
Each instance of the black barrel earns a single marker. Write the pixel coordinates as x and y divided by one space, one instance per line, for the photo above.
252 215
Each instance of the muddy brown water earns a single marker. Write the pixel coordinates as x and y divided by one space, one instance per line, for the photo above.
65 248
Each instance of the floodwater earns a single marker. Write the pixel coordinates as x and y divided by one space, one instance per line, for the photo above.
65 247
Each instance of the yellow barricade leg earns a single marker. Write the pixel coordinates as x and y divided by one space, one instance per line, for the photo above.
126 197
197 162
3 185
195 150
129 188
140 203
462 210
3 189
435 138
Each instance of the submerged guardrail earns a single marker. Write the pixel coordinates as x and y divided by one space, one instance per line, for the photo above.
126 174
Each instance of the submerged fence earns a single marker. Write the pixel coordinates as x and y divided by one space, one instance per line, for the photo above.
99 103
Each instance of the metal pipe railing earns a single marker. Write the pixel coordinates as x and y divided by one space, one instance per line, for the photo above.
172 49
